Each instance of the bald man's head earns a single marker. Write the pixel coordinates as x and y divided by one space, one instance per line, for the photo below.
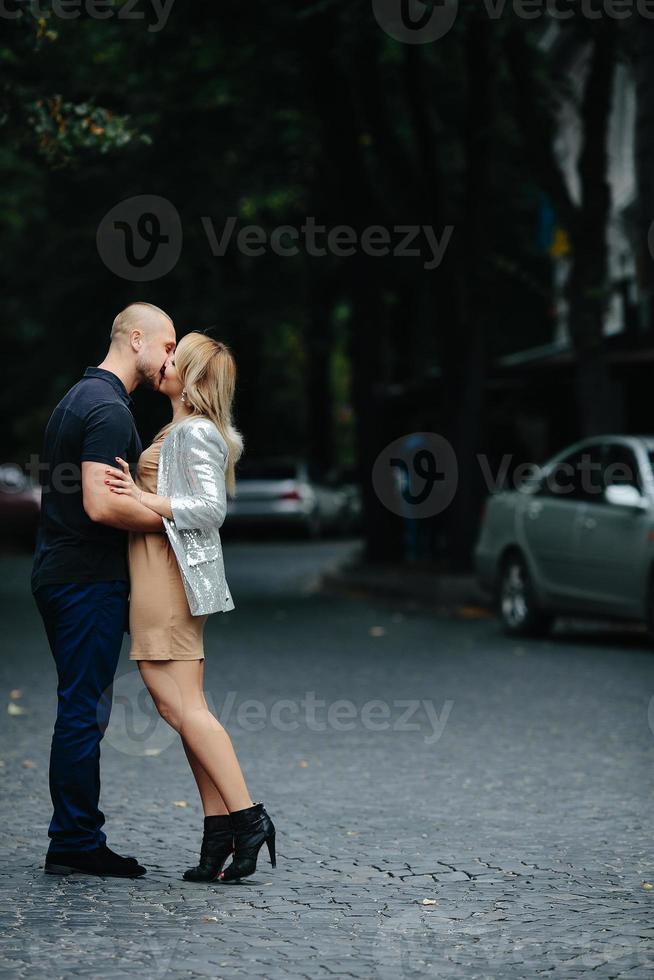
146 334
139 314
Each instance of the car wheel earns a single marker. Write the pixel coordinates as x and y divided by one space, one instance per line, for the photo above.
517 605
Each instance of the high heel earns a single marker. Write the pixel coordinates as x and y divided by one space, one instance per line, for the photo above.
270 841
252 829
217 845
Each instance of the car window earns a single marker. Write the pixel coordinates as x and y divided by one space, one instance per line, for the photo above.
577 477
621 467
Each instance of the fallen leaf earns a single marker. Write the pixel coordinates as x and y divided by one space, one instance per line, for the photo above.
210 918
152 752
16 693
180 803
15 709
29 764
303 764
377 631
473 612
647 886
429 901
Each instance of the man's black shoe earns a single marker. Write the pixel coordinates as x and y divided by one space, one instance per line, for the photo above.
100 861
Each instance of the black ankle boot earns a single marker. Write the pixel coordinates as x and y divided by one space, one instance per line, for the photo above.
252 828
217 845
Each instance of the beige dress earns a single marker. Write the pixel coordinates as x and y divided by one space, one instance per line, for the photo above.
160 621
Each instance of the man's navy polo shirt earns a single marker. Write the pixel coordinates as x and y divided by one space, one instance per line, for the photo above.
93 421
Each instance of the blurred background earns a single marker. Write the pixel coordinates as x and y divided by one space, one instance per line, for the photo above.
425 232
492 165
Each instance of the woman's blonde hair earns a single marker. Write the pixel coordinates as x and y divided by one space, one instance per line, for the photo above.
207 369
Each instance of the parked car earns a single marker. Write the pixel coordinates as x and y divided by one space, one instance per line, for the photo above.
287 492
575 538
20 506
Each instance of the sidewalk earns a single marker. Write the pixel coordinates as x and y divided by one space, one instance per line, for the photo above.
420 585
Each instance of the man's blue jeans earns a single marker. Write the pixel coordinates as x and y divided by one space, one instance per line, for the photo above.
85 625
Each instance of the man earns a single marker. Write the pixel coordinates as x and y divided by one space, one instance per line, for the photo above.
80 577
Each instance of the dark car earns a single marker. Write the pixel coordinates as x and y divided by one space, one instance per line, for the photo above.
20 507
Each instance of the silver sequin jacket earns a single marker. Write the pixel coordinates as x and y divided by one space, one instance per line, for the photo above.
192 474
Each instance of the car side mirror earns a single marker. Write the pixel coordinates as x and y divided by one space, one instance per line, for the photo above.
624 495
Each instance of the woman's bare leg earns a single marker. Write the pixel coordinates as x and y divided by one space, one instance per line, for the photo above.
176 689
212 802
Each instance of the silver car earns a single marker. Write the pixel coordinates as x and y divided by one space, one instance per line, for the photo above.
577 536
288 492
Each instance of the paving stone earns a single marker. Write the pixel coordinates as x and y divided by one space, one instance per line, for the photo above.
528 823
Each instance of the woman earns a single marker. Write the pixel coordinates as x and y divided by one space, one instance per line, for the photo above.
178 579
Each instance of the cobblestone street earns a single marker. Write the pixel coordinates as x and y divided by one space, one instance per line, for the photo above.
490 815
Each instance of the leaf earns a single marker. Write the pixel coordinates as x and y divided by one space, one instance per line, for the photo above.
377 631
15 694
473 612
429 901
15 709
180 803
29 764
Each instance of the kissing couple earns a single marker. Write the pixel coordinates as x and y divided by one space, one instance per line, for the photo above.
135 544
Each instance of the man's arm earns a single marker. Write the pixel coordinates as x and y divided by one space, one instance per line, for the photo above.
204 456
108 431
117 511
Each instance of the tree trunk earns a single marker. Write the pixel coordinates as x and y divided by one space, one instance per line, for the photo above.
645 172
597 397
468 372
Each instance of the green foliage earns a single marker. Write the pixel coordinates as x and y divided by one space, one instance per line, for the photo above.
271 116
